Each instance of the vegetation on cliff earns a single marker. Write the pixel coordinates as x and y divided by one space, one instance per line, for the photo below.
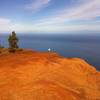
13 44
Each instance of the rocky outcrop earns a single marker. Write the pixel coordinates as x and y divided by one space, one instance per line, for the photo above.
30 75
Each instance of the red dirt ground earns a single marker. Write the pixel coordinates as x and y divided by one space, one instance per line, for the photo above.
30 75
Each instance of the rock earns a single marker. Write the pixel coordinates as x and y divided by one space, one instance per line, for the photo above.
29 75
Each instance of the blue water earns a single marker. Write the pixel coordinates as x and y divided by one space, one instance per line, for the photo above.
82 46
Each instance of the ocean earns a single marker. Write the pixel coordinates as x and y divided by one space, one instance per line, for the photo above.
85 46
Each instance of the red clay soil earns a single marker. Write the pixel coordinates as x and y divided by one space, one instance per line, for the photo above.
32 75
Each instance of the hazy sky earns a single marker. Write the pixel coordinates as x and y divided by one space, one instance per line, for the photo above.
49 16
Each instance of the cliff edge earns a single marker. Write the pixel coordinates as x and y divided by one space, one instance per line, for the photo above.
30 75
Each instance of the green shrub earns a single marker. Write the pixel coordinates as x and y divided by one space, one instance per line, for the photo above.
19 49
1 47
13 40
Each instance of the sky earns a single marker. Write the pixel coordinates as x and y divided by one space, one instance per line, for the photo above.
50 16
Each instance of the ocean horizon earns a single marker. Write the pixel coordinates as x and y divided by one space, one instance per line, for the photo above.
81 46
